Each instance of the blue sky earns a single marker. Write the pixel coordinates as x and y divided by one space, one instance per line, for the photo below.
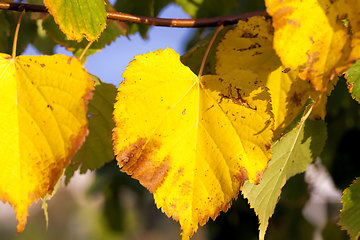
109 64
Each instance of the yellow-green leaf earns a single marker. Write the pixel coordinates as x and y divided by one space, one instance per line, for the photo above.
191 141
319 44
79 17
250 47
350 214
43 101
291 155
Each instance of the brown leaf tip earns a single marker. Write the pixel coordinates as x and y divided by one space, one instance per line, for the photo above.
138 161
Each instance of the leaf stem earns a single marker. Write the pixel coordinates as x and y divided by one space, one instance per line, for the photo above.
220 27
85 50
163 22
16 35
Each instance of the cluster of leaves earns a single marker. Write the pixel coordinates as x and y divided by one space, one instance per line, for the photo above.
254 120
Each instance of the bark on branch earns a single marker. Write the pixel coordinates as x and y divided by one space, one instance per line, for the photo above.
163 22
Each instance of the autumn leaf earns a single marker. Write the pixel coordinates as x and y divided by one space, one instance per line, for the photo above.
191 141
97 148
78 17
291 155
319 44
42 124
350 214
250 47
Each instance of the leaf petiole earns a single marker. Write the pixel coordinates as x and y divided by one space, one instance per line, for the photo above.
220 27
16 35
85 50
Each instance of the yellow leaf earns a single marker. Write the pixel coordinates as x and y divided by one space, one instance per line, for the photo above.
250 47
319 44
43 102
192 142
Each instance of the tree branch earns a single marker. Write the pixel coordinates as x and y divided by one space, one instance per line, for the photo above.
163 22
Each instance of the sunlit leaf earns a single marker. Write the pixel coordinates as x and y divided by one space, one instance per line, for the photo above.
191 141
319 44
97 148
43 123
350 214
291 155
79 17
250 47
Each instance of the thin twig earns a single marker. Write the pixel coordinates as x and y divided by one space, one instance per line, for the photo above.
16 35
85 50
208 49
163 22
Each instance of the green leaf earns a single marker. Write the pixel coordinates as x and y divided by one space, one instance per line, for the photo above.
43 42
97 148
194 56
291 155
109 35
350 214
208 8
27 33
353 80
79 17
143 8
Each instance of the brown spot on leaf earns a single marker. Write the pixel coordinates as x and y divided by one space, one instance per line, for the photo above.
259 176
286 70
249 35
257 53
312 40
242 176
252 46
137 161
49 106
296 99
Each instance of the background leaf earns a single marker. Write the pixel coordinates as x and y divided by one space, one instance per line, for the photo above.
353 80
208 8
97 148
8 21
291 155
350 214
143 8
